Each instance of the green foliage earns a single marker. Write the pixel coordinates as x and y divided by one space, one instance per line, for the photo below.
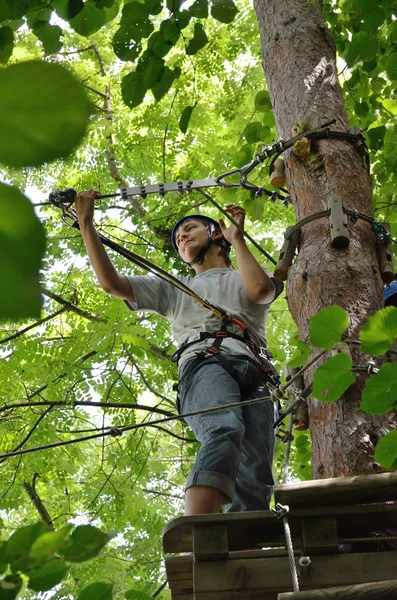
378 333
44 113
97 591
33 551
198 41
327 327
333 378
300 356
133 484
386 451
185 118
22 240
223 10
380 392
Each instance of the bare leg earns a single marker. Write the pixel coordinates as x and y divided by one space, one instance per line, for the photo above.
201 500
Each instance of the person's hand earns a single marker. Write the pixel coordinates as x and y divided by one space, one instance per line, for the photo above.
231 233
84 203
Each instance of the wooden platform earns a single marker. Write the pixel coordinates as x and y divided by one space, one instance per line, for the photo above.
242 555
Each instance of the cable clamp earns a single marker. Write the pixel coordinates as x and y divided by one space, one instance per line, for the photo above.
371 366
281 510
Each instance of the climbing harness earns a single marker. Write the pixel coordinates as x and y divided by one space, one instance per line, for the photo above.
69 216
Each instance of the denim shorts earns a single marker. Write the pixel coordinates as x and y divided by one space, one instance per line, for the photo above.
237 444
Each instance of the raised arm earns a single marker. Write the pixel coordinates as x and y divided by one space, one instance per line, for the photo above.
258 285
110 280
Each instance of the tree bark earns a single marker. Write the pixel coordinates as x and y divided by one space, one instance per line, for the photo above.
299 61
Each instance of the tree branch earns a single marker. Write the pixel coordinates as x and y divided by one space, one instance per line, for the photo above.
38 503
110 153
72 307
26 329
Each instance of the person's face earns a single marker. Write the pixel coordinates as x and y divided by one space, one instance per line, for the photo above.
190 237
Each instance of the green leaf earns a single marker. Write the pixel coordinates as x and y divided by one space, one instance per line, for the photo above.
154 7
302 441
85 542
333 378
43 113
97 591
379 331
3 556
386 451
170 30
391 66
327 326
50 542
361 109
185 118
380 392
10 587
223 10
253 132
133 89
74 7
151 69
299 358
6 43
45 577
243 156
174 5
49 35
124 46
137 595
20 543
166 82
375 134
199 9
362 47
135 20
159 45
390 106
262 101
104 3
198 41
372 18
89 20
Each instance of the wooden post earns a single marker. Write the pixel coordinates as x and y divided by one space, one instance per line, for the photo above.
210 542
338 223
287 254
277 176
385 590
319 536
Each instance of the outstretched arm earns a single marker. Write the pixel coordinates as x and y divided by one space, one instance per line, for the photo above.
110 280
258 285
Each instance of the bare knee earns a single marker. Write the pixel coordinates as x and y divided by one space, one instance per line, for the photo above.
200 500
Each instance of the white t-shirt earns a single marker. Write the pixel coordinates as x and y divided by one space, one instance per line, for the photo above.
222 287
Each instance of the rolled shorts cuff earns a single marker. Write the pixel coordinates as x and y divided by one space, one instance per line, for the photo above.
214 480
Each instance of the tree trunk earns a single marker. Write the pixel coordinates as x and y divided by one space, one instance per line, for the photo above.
298 54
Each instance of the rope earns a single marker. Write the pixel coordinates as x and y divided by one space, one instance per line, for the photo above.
245 234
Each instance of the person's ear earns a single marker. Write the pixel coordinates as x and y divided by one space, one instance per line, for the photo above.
217 234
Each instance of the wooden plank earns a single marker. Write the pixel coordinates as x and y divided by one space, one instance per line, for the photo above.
319 536
273 574
341 491
367 591
210 541
248 595
254 529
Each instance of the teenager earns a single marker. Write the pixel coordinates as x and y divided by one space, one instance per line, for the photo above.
233 465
